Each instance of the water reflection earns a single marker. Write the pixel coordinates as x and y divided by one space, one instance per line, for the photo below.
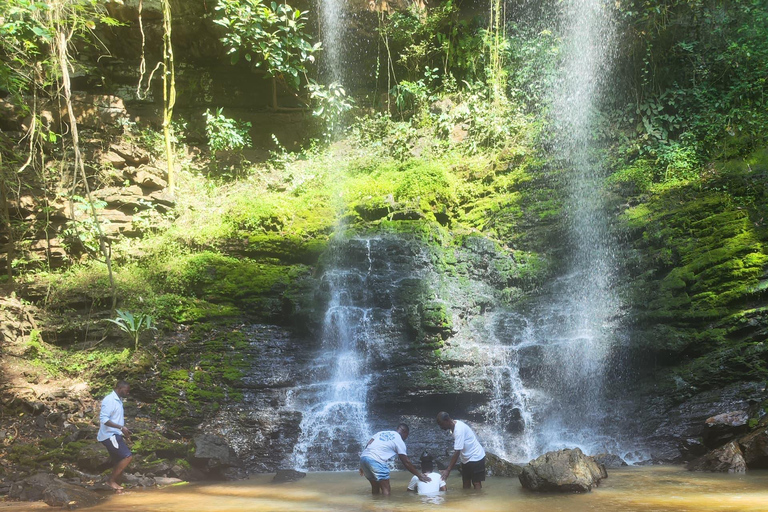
633 489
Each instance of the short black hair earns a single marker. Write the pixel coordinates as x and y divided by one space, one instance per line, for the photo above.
444 416
404 427
121 384
427 463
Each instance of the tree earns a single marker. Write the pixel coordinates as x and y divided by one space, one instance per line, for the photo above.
272 37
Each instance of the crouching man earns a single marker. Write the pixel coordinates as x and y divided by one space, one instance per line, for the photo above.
112 432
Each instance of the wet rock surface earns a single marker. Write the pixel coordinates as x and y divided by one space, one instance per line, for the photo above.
216 458
727 458
288 475
754 447
496 466
724 427
562 471
62 494
610 460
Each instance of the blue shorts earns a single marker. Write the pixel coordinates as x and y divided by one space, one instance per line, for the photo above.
117 448
373 469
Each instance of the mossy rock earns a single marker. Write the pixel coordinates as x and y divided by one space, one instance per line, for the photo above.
700 262
197 378
153 443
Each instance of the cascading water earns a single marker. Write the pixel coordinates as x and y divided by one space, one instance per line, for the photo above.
335 422
364 326
578 326
547 372
544 368
510 428
331 34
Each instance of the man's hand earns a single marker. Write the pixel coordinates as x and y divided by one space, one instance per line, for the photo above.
126 433
424 478
361 472
444 474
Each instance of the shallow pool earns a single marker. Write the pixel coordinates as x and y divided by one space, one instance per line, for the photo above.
630 489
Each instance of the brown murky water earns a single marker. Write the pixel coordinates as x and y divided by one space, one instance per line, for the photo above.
633 489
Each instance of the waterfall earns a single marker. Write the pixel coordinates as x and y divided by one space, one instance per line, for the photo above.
335 416
578 326
362 329
331 34
510 428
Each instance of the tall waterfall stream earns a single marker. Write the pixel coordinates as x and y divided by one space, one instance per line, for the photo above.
543 369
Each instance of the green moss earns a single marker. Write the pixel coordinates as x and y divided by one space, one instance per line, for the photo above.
152 443
197 378
48 453
699 255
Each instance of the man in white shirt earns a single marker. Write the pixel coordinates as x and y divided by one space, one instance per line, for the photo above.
435 485
467 447
382 447
112 429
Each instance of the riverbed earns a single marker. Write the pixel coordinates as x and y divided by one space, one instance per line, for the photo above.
654 488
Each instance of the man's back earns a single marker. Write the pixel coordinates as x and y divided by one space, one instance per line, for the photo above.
466 442
385 445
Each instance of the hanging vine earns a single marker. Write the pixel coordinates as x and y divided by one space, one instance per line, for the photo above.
169 93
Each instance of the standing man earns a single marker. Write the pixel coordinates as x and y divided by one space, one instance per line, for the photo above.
112 430
382 447
466 446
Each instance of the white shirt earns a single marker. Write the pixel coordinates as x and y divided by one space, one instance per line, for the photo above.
385 445
466 441
431 487
111 410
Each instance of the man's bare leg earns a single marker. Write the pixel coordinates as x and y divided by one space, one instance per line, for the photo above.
385 488
375 489
477 485
119 468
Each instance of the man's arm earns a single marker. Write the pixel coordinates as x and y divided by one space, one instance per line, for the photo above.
410 467
447 471
105 414
123 428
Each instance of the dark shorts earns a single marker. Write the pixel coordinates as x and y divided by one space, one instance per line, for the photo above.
118 450
472 472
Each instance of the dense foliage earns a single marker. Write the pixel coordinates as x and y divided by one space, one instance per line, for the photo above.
697 71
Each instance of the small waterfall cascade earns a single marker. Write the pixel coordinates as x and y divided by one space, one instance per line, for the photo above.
334 401
509 431
579 323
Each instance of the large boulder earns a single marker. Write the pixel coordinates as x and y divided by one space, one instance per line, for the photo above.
727 458
562 471
754 448
216 458
62 494
55 492
31 488
723 428
496 466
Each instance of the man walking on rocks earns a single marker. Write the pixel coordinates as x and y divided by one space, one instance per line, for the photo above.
112 431
467 447
382 447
